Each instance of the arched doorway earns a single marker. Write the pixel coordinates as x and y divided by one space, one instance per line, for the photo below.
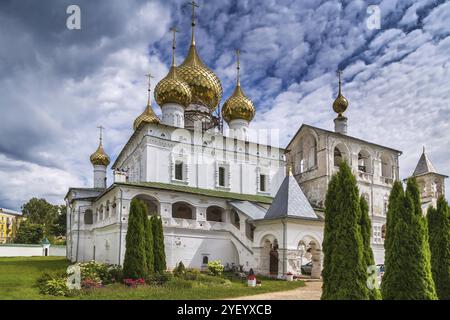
273 260
269 258
310 258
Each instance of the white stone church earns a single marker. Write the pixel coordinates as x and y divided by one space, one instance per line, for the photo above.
223 196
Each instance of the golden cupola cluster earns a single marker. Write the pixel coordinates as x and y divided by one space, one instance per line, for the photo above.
340 104
238 106
172 89
99 157
205 86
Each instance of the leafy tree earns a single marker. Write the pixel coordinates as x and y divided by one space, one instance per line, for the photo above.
29 233
60 225
407 257
439 239
39 211
158 246
346 276
134 265
366 227
148 230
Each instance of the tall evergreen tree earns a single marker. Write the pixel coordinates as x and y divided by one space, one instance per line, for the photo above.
366 227
347 277
439 239
158 245
148 230
328 240
407 267
134 265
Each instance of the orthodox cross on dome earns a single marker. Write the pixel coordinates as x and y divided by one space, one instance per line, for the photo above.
174 43
194 5
149 76
238 66
101 128
339 74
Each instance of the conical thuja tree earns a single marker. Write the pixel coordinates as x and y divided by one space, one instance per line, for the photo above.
134 265
426 287
346 278
439 239
158 245
366 227
407 259
328 240
148 231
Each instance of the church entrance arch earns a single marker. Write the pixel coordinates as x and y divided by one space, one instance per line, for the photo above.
310 257
269 258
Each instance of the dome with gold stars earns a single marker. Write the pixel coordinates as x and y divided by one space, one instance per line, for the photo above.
238 106
148 116
99 157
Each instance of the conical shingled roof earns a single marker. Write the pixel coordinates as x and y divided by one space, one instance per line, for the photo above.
424 165
290 201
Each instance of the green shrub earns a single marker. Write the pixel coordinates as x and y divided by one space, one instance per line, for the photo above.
53 283
215 268
158 279
180 270
115 274
93 271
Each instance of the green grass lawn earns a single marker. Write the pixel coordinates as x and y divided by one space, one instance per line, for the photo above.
18 277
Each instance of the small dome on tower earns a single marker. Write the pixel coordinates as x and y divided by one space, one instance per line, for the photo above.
340 104
99 157
148 116
238 106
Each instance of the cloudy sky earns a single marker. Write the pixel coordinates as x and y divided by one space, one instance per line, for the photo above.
58 84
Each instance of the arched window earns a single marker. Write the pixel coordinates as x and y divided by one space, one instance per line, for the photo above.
386 166
337 157
205 260
88 217
182 210
151 203
214 213
383 232
364 164
249 230
179 170
235 220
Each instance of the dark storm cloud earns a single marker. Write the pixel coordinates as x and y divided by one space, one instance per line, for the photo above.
58 84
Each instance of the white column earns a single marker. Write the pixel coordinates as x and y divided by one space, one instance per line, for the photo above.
173 115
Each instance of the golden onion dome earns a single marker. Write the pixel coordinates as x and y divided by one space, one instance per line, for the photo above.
99 157
238 106
340 104
148 116
171 89
205 86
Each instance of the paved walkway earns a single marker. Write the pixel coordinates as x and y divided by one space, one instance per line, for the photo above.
311 291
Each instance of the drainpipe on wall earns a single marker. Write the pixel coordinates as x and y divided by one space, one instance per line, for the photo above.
69 215
120 230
